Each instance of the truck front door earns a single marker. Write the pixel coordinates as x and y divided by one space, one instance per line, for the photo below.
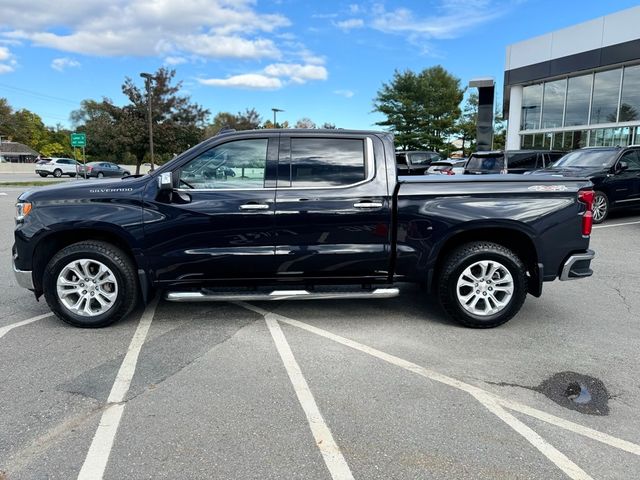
333 213
218 223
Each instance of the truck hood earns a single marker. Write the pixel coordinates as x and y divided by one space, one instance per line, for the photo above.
80 189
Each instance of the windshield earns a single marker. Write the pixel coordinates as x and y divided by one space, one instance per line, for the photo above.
419 158
587 158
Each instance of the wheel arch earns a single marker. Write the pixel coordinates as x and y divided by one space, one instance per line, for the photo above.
509 236
52 243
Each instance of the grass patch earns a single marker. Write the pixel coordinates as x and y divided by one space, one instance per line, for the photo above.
35 183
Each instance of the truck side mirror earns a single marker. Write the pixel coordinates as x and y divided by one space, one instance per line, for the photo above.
165 182
622 166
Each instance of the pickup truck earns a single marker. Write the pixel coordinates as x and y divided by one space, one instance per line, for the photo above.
315 214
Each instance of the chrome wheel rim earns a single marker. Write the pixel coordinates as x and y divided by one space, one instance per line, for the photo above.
599 208
485 288
87 287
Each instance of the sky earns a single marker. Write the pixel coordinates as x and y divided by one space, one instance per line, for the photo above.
324 60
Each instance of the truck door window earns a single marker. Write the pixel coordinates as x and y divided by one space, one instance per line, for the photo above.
233 165
631 157
327 162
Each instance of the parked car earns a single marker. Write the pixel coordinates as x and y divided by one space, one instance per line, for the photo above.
511 161
447 167
319 215
106 169
58 167
614 171
415 162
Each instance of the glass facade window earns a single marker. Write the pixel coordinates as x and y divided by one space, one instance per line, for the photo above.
606 90
630 101
578 97
531 105
553 103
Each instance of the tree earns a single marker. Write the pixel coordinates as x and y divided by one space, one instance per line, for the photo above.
248 120
122 132
421 109
305 123
329 126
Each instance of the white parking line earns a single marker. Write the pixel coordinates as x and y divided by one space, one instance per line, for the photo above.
7 328
333 458
96 461
489 400
616 225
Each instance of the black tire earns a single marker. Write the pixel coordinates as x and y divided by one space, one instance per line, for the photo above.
466 255
125 174
43 175
115 259
600 214
100 175
57 173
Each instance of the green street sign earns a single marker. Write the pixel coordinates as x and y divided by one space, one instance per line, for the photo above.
78 139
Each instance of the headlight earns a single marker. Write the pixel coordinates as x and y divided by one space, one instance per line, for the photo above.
22 210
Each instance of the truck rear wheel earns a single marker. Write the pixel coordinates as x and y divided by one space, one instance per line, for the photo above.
482 284
90 284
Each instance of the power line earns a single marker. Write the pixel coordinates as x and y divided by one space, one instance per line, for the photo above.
40 95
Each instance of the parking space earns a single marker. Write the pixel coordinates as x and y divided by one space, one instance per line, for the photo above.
378 389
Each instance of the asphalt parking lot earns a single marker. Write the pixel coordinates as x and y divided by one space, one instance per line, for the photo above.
383 389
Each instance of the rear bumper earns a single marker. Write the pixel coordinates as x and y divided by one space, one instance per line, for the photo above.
577 266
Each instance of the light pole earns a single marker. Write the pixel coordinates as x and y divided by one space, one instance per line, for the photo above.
275 111
148 78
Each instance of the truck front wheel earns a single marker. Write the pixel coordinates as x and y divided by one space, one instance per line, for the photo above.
90 284
482 284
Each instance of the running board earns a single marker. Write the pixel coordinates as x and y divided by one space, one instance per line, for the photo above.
213 296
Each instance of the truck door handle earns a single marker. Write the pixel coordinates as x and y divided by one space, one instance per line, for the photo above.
254 206
368 205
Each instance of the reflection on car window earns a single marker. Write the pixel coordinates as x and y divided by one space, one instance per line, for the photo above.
419 158
326 162
486 164
525 161
632 158
587 158
232 165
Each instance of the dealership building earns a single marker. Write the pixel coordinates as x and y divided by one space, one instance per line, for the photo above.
576 87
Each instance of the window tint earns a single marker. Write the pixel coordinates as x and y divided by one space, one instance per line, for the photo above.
326 162
517 161
401 158
233 165
420 158
632 159
604 106
578 95
553 103
531 103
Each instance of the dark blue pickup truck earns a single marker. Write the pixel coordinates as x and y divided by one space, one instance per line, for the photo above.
299 214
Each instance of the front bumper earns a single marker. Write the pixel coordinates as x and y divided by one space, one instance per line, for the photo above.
24 278
578 266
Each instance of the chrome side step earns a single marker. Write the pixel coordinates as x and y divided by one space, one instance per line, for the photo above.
213 296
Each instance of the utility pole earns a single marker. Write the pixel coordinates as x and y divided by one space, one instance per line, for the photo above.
148 78
275 111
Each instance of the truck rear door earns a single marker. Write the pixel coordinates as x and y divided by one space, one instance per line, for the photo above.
333 211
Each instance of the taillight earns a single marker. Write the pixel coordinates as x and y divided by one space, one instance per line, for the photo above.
586 197
89 169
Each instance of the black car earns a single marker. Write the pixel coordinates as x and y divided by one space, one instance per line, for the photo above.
511 161
414 162
106 169
614 171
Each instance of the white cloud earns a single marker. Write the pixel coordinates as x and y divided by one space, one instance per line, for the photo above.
350 24
248 80
211 28
273 77
454 19
7 61
296 72
344 93
60 64
175 60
